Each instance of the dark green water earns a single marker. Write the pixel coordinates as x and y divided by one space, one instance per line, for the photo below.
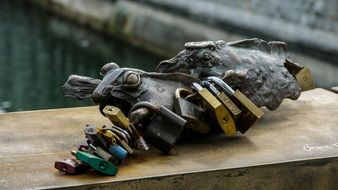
38 51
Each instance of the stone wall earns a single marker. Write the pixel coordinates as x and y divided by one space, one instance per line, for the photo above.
309 24
163 26
315 14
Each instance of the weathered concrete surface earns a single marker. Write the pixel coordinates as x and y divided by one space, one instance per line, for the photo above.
294 147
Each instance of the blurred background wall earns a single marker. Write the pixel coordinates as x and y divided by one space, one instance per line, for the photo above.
44 41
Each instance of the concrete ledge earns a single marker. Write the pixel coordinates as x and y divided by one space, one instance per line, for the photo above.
294 147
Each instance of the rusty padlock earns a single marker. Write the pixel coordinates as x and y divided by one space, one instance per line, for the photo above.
165 128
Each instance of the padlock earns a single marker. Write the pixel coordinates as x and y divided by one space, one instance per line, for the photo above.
304 79
116 136
301 74
94 137
107 134
96 163
194 114
165 127
86 148
82 147
103 154
70 166
250 112
118 152
139 115
217 109
114 149
113 138
222 97
116 116
140 143
124 132
117 132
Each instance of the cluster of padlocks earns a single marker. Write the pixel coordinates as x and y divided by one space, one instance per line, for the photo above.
207 105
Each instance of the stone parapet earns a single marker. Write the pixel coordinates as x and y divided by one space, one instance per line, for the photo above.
294 147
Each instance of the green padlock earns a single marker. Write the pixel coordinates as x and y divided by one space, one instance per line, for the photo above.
96 162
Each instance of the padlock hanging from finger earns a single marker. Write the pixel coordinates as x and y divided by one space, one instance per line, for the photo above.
116 116
217 110
222 97
165 128
250 112
194 114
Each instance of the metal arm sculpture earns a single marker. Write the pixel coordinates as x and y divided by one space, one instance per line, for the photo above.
123 87
259 69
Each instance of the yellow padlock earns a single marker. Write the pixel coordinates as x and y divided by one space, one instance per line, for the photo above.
304 79
219 111
113 138
250 112
222 97
116 116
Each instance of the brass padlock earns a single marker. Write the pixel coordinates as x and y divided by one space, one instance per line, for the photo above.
219 111
250 112
194 114
304 79
114 138
302 75
222 97
117 132
116 116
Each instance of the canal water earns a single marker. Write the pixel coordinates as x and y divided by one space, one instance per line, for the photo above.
38 51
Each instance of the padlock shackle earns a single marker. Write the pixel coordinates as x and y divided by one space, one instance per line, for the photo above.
222 84
179 91
92 146
120 134
210 87
196 86
143 104
142 145
115 136
126 133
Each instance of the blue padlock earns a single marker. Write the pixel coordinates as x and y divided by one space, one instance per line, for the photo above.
118 152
